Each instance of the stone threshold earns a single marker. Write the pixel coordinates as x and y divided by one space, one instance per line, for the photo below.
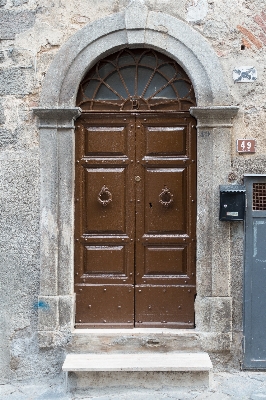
139 340
150 370
133 331
172 361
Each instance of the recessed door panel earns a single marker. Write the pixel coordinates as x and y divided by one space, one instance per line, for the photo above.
108 259
168 141
105 205
164 306
165 200
135 220
106 141
105 306
165 260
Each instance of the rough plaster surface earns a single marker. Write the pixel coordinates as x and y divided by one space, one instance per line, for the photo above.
32 33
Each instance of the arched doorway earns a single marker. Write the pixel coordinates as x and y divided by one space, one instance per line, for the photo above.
57 112
135 193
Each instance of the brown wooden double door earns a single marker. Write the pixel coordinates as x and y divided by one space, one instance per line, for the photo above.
135 220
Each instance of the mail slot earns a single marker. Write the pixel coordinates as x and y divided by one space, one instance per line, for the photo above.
232 202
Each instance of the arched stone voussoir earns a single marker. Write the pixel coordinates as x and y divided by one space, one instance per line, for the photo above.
194 53
157 30
68 56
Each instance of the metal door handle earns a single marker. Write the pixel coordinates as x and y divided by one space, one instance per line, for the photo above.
104 196
166 197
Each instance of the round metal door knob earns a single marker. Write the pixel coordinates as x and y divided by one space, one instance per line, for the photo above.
137 178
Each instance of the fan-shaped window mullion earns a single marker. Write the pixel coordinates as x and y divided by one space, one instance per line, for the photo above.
174 89
96 90
124 83
152 75
136 80
178 90
110 88
161 88
148 83
142 74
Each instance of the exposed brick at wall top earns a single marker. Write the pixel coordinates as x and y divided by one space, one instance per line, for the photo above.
249 37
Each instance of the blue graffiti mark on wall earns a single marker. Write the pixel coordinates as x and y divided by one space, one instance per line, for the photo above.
41 305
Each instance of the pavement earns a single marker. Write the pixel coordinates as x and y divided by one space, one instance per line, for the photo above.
236 385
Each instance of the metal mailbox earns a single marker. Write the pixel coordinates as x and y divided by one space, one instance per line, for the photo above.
232 202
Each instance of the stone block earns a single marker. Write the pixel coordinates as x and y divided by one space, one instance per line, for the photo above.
53 339
138 370
48 312
136 37
134 341
136 15
215 342
13 22
157 361
213 314
16 81
66 312
143 380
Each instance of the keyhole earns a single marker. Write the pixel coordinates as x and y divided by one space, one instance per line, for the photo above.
150 205
166 197
104 196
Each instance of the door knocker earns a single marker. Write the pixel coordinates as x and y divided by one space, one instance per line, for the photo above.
104 196
166 197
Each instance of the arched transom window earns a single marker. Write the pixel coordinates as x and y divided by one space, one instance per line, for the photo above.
140 79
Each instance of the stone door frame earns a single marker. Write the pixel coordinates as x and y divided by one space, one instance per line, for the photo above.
134 27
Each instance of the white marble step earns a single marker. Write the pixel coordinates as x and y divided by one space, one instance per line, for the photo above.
171 361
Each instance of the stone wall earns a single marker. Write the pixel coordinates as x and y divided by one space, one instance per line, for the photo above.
31 32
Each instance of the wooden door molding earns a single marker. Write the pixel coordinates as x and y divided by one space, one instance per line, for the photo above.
104 236
166 230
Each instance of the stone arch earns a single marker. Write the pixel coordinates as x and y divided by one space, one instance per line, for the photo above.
135 27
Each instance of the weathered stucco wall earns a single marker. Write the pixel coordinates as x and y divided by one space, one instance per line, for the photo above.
31 32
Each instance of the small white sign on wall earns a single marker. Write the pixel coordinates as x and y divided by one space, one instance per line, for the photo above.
244 74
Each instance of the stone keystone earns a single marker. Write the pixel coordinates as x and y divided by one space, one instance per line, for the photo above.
136 15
